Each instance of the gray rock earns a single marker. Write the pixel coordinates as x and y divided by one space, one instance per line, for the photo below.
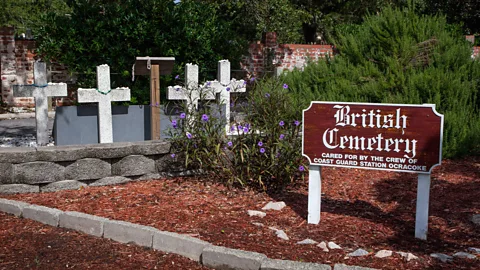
225 258
45 215
183 245
88 168
38 172
62 153
307 242
62 185
383 253
442 257
474 250
348 267
274 206
168 164
111 180
254 213
17 154
464 255
12 207
148 148
332 245
133 165
476 219
6 173
88 224
358 253
271 264
109 150
407 255
18 188
280 233
149 176
126 232
323 246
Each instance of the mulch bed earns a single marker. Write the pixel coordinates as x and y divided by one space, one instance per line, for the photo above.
367 209
26 244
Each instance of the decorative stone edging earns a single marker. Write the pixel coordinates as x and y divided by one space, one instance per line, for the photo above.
29 169
216 257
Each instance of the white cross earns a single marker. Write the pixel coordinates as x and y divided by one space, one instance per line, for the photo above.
193 92
40 91
104 96
224 85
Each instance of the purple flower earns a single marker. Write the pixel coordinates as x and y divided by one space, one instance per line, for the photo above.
260 144
232 104
239 127
267 95
244 82
177 77
245 129
252 79
285 86
230 144
281 123
277 155
172 155
228 89
177 88
156 104
183 115
174 123
189 135
208 83
301 168
205 118
262 150
232 128
282 136
296 123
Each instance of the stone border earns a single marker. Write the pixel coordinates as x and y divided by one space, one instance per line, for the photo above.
45 169
216 257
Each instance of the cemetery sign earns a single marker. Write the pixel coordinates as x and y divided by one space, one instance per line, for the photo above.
394 137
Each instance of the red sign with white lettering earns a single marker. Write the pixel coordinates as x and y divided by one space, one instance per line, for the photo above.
392 137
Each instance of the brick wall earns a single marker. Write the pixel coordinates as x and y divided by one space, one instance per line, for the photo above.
16 65
17 57
268 55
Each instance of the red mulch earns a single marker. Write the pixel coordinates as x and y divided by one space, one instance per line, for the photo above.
26 244
366 209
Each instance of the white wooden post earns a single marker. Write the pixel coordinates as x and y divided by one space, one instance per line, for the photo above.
41 91
104 96
423 197
314 194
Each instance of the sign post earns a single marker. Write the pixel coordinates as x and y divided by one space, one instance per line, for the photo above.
154 66
393 137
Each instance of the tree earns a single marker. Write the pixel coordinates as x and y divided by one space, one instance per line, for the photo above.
465 12
399 56
115 32
25 14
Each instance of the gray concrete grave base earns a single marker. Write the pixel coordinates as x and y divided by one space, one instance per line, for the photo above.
125 232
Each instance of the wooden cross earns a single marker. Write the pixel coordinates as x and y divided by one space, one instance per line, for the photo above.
155 66
40 91
104 95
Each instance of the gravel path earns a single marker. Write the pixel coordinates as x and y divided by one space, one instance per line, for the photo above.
21 132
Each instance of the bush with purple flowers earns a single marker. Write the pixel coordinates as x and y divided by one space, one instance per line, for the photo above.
264 153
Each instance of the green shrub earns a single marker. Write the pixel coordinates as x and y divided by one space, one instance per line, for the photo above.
400 57
265 153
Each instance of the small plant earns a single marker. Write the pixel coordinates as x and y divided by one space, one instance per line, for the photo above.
263 151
